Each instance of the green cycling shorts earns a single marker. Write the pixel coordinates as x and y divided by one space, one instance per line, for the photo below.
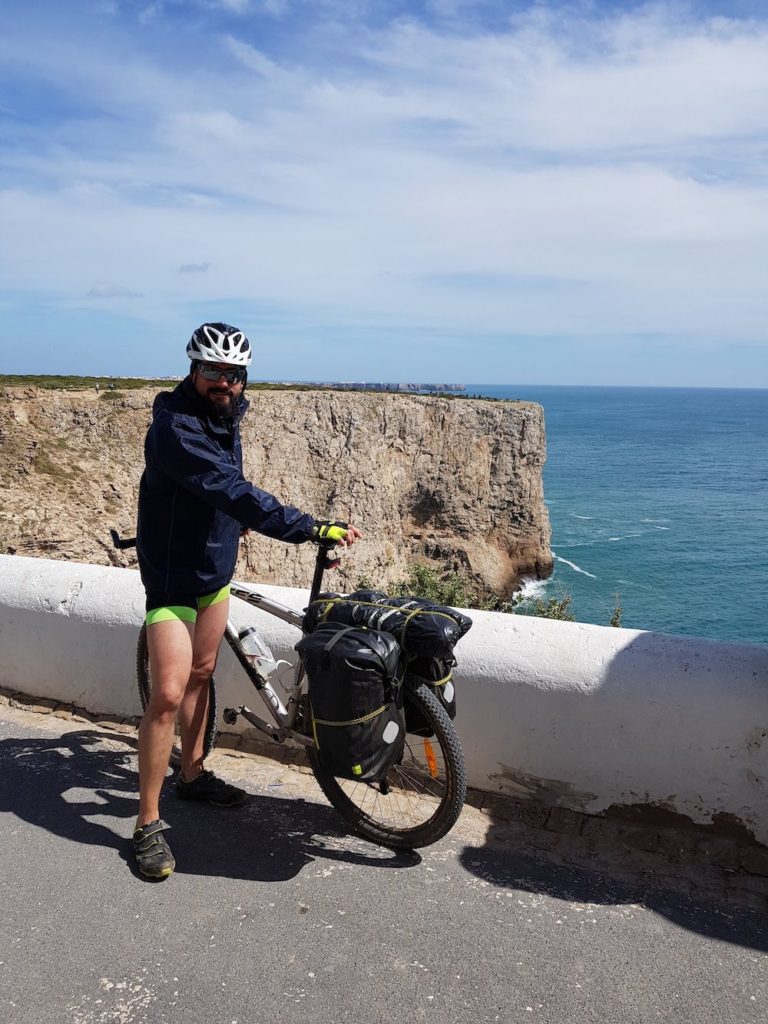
163 606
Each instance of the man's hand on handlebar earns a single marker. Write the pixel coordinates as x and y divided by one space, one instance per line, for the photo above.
334 532
353 534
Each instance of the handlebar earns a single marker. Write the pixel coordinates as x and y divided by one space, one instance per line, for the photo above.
120 544
323 561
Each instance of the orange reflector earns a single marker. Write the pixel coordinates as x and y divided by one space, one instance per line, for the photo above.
429 753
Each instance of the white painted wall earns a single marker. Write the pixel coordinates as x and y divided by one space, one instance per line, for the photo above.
578 715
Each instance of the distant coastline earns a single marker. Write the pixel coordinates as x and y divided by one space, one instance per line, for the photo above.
347 385
74 382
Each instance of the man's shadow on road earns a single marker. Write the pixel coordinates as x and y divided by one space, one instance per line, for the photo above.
63 783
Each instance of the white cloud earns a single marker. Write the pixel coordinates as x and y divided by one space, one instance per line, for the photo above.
107 290
276 8
559 176
236 6
251 58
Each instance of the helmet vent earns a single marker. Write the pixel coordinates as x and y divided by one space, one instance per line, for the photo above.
220 343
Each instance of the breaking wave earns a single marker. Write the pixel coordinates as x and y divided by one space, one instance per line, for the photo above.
572 565
532 589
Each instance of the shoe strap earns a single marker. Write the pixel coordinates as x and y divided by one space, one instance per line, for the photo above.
150 829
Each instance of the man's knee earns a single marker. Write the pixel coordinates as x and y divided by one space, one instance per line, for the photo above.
165 700
202 670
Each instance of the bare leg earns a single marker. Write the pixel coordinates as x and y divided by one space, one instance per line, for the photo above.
193 711
170 661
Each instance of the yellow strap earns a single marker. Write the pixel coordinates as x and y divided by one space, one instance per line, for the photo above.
352 721
408 621
330 602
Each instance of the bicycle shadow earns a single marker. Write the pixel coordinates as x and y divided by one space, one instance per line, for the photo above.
62 783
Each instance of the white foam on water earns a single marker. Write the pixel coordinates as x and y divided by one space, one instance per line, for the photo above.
532 589
576 568
575 516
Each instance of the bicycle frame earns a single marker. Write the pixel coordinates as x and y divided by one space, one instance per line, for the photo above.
419 798
284 717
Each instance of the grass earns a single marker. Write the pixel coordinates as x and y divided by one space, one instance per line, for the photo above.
74 383
110 387
43 462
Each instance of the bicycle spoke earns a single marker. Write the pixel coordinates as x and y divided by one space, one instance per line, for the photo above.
420 798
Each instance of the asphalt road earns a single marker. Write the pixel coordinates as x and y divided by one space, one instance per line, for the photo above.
276 914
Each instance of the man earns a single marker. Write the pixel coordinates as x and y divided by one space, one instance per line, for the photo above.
194 502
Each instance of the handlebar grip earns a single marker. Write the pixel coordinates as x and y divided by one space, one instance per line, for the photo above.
327 532
120 544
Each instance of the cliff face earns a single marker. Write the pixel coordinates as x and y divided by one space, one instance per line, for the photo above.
457 482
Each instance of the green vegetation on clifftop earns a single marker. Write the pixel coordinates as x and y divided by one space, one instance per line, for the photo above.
454 589
111 387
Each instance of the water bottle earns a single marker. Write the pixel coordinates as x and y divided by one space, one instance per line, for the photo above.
258 652
265 664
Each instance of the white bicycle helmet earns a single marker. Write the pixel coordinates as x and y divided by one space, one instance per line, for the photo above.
220 343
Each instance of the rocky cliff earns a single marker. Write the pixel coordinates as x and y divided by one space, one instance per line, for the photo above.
455 482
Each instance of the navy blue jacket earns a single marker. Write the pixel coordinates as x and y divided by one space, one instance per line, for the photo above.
194 499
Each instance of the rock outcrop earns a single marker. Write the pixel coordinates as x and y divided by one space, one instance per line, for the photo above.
455 482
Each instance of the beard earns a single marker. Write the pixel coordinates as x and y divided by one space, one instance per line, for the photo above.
217 407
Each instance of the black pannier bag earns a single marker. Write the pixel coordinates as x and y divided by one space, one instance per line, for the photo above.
423 629
355 702
437 675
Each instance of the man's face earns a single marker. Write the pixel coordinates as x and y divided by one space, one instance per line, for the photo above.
221 394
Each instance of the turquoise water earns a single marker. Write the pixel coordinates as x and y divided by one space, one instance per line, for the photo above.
659 496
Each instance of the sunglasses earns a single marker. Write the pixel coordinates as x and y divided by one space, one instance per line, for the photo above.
235 376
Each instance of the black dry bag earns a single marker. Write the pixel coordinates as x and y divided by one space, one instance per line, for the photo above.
437 674
422 629
354 697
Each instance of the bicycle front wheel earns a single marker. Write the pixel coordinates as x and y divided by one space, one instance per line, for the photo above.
420 798
144 680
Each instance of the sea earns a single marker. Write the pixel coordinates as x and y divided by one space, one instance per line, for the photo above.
658 500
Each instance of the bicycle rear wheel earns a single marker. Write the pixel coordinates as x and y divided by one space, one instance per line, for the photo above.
143 677
420 798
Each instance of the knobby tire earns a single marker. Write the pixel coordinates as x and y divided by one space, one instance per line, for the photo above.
420 801
145 690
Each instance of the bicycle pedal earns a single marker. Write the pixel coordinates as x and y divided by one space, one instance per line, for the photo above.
229 715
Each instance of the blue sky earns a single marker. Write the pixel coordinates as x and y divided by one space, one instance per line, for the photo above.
548 193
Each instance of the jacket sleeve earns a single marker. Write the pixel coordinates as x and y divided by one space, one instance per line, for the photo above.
193 460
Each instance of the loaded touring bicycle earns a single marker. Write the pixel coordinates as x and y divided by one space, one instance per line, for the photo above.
405 783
